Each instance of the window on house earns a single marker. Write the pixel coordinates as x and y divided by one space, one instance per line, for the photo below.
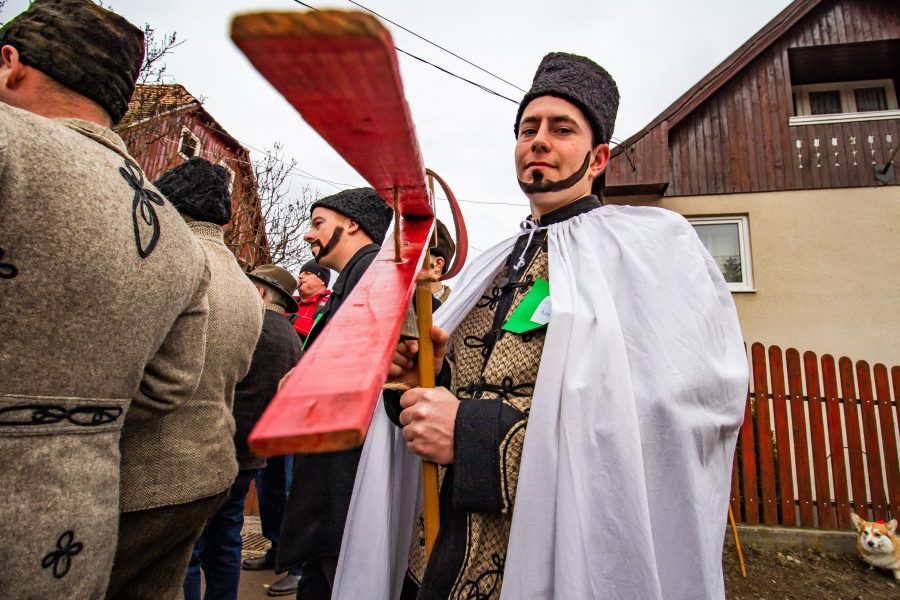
189 145
727 240
870 98
844 82
847 97
230 175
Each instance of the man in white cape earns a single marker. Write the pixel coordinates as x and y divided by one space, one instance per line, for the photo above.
592 395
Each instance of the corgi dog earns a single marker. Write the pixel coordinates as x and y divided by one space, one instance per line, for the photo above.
878 543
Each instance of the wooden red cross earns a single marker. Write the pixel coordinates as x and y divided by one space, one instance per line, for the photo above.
339 70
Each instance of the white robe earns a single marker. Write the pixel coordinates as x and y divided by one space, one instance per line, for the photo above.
626 468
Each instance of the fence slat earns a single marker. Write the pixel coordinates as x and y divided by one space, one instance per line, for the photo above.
817 433
836 446
748 467
854 444
764 435
782 438
801 441
895 379
736 491
888 441
873 448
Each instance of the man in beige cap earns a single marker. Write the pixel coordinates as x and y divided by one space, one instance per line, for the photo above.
103 306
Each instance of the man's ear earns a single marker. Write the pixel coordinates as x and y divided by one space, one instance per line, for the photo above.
601 159
352 226
10 57
439 264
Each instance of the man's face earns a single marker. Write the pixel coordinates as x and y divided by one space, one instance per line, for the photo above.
555 159
326 228
309 284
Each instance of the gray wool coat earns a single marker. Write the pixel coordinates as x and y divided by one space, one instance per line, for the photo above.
189 454
103 310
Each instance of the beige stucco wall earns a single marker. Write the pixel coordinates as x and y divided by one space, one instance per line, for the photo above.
826 268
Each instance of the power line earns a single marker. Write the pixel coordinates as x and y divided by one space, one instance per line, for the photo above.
424 39
443 70
460 77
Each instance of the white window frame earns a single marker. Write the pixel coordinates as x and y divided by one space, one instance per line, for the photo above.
743 223
231 175
848 102
181 141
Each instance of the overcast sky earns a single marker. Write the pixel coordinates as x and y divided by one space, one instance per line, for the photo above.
655 49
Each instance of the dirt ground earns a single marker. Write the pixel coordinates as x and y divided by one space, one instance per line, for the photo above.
803 574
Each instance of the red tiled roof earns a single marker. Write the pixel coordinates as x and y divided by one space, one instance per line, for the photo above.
152 100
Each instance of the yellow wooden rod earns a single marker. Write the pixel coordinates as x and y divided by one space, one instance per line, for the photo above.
426 379
737 542
431 494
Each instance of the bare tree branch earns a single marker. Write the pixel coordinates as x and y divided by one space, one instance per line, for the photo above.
276 217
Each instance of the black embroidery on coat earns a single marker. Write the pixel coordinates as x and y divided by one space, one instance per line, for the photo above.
36 414
142 209
61 558
7 270
507 388
491 579
491 300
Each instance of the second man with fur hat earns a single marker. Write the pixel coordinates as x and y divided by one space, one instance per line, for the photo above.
346 231
176 470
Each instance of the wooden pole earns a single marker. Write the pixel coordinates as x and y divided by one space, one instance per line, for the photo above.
737 541
426 379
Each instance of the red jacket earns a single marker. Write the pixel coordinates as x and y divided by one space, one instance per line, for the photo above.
306 315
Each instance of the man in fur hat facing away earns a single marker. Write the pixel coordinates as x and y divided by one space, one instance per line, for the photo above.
588 424
176 470
218 550
346 231
103 306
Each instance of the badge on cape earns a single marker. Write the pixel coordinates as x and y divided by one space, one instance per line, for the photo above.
534 310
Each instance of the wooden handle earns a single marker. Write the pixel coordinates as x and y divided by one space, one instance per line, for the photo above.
426 379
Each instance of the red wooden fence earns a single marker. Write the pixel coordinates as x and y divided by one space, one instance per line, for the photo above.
819 440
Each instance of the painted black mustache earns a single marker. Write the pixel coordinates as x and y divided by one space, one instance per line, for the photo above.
540 185
327 248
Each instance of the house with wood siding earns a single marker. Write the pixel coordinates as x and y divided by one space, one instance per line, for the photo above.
784 158
165 126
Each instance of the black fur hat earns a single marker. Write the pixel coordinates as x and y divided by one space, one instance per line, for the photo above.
582 82
198 189
363 205
85 47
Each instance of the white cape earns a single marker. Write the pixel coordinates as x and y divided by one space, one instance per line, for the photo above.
626 468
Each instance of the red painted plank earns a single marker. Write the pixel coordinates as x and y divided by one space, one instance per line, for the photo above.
339 70
889 442
801 439
836 442
817 435
764 435
748 467
895 379
782 438
854 441
312 413
873 447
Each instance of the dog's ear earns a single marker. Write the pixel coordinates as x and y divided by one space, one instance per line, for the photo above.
857 521
892 526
